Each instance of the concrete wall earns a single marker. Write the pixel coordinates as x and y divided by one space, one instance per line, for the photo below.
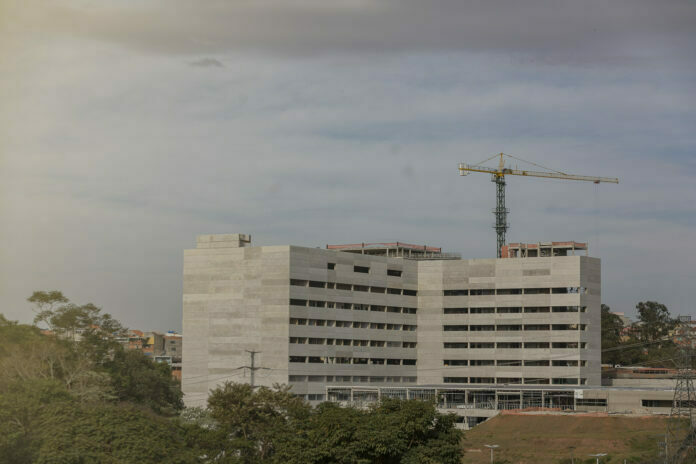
234 299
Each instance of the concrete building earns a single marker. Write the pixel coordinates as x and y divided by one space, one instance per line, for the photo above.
388 315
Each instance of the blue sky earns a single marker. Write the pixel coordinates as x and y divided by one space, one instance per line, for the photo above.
128 128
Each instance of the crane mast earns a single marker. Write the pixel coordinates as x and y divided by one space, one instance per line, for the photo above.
498 177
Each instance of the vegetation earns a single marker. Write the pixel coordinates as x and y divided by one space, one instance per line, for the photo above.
647 342
531 439
74 395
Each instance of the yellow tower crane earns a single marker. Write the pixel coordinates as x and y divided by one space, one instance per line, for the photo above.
498 176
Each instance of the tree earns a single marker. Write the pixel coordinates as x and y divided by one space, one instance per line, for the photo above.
611 336
137 379
655 320
252 419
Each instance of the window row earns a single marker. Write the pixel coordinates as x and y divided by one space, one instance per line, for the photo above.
350 360
353 306
510 327
515 345
516 309
515 362
352 324
516 380
353 287
515 291
351 379
350 342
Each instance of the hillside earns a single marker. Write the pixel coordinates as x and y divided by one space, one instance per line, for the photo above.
527 439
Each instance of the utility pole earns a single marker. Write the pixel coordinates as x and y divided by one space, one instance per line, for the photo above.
252 366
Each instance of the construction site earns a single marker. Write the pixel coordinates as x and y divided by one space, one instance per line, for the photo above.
354 323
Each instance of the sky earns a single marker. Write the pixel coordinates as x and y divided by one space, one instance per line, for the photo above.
129 127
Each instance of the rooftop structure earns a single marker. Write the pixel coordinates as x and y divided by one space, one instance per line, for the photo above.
542 249
395 250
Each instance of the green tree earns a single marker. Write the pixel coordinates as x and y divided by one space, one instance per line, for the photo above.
611 336
137 379
655 320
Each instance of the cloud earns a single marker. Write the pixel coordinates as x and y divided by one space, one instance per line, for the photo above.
207 63
596 31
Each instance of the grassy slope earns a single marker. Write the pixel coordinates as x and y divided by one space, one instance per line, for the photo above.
548 439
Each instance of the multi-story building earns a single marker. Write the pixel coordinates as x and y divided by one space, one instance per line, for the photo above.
387 315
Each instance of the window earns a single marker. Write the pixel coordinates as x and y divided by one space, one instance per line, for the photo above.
315 284
297 359
378 289
360 288
361 342
481 380
536 381
393 344
565 345
456 310
509 291
591 402
330 304
376 379
330 285
536 327
316 322
342 361
298 340
656 403
297 378
331 266
537 291
409 379
482 291
564 363
362 325
317 304
295 302
455 362
481 328
511 310
565 327
537 345
408 362
564 381
315 397
317 341
410 327
410 310
537 363
376 361
393 326
481 345
580 290
344 324
316 360
344 287
456 345
482 362
394 291
378 308
374 325
409 344
456 292
340 305
393 272
361 269
360 307
508 327
481 310
394 362
393 309
410 292
377 343
508 380
298 283
508 345
508 362
565 309
536 309
359 360
295 321
455 328
455 380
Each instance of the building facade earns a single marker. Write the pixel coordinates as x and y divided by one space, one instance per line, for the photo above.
386 315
